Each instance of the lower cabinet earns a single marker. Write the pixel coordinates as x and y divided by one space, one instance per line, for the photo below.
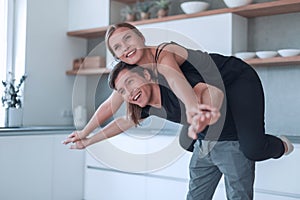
275 179
279 178
104 184
35 167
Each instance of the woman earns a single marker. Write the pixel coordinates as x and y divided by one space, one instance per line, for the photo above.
185 69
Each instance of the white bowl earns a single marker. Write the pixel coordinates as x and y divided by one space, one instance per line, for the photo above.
245 55
236 3
266 54
288 52
190 7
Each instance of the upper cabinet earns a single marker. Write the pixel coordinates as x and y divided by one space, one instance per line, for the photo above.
88 14
252 10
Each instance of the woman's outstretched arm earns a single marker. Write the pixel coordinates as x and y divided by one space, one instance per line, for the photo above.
114 128
103 113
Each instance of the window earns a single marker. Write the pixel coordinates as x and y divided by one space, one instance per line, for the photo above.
12 41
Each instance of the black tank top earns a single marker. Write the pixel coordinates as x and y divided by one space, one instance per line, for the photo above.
213 69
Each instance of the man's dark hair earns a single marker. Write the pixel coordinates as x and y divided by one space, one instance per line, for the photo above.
120 67
133 110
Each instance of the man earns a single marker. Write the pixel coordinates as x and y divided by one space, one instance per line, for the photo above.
210 159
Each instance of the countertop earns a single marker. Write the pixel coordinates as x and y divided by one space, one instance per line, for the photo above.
45 130
35 130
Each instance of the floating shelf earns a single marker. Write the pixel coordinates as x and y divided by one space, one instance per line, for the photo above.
98 71
249 11
255 62
275 61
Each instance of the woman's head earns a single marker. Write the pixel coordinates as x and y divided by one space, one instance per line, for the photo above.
124 41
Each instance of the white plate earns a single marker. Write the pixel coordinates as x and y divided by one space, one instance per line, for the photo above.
266 54
289 52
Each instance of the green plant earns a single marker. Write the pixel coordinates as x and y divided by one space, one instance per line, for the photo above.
128 10
144 6
11 99
129 13
162 4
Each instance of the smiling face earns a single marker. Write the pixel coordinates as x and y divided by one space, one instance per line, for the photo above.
134 88
127 45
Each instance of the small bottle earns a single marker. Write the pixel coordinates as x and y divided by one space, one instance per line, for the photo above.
80 116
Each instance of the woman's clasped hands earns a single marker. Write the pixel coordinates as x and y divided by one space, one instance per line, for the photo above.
200 118
77 139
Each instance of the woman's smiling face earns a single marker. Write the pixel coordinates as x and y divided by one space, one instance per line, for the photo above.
133 87
127 45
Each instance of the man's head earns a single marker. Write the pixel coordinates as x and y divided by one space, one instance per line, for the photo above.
133 83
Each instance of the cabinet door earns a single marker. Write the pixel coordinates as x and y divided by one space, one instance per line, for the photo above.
281 175
223 33
67 171
166 188
105 184
86 14
25 169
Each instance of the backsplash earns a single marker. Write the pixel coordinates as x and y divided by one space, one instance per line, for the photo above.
280 82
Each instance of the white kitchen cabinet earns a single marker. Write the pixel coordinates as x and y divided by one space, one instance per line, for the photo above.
222 33
67 171
275 179
87 14
170 181
34 167
279 176
26 166
166 188
102 184
262 196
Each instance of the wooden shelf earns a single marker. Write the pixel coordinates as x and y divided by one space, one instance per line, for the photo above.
249 11
88 71
275 61
255 62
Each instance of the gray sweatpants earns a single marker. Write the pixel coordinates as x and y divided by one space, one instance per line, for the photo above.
210 160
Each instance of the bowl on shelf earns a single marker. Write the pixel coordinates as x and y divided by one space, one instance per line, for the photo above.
236 3
266 54
288 52
245 55
190 7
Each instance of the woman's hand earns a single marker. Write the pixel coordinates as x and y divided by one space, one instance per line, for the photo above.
206 116
75 137
203 112
80 144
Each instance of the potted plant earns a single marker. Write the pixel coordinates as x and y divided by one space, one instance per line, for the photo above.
11 101
129 13
144 9
163 7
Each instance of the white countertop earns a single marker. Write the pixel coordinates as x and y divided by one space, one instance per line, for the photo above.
34 130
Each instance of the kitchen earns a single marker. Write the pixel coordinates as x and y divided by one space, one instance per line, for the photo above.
34 163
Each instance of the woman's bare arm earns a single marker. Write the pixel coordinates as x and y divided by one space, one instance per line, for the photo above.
103 113
114 128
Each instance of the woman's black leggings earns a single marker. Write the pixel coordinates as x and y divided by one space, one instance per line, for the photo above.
245 97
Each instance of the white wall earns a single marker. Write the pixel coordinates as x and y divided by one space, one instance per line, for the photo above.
49 53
